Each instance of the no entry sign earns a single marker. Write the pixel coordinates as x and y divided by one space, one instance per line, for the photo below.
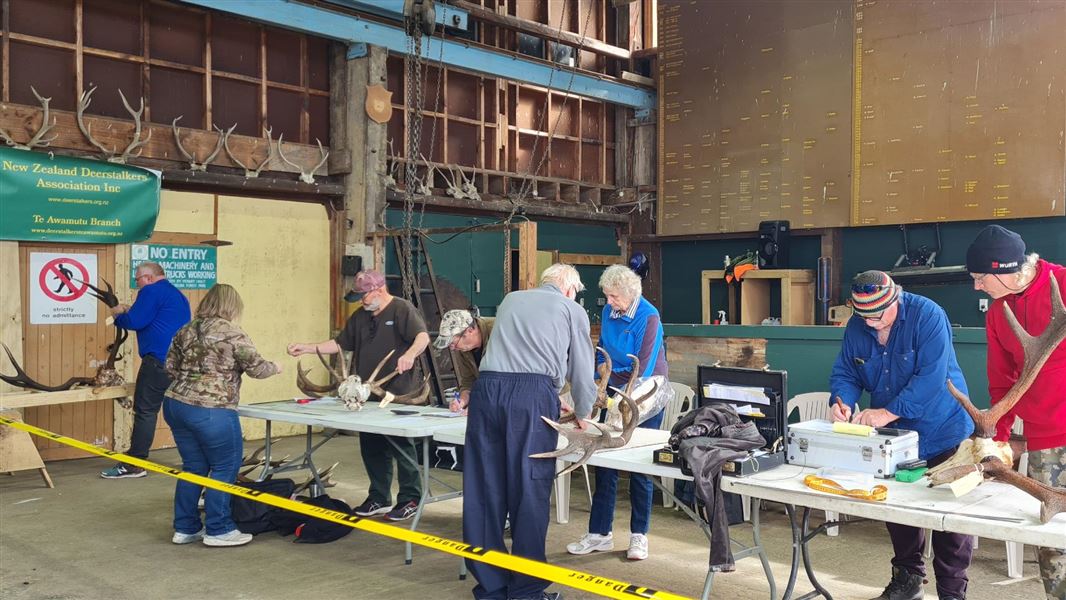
57 284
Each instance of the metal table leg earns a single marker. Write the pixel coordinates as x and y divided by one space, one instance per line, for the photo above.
801 536
426 497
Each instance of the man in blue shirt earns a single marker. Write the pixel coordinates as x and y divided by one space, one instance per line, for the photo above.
898 348
158 313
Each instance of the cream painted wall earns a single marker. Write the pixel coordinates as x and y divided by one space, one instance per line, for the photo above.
279 262
186 212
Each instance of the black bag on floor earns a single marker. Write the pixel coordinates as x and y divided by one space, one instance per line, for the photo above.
310 530
255 517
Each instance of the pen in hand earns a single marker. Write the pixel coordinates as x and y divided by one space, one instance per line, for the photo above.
845 410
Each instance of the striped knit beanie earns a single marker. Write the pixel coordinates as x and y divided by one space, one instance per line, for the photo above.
872 292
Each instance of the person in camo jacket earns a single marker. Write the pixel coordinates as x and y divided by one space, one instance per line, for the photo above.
206 362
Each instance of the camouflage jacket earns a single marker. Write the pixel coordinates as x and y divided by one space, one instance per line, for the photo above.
206 361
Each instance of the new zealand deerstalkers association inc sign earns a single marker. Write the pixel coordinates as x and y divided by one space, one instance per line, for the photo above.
62 199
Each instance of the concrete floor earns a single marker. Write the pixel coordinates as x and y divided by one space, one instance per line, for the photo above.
92 538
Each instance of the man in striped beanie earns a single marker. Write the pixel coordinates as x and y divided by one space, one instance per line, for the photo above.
897 347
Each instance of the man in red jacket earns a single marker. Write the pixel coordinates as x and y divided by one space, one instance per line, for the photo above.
1000 268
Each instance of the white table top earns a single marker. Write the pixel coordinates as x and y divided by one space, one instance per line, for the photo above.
330 412
918 505
455 433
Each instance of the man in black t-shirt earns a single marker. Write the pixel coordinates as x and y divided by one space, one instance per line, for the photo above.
383 324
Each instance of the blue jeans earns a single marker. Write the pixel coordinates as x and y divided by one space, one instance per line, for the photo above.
601 520
210 444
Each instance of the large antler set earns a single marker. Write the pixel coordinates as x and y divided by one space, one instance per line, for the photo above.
106 375
600 439
351 388
995 459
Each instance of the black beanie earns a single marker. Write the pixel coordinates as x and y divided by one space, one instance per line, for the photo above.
996 250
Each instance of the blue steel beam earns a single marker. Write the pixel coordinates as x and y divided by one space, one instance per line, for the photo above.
350 29
393 9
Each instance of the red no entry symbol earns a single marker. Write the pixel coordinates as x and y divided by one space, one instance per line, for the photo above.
59 271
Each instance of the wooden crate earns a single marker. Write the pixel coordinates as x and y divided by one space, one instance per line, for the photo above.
797 295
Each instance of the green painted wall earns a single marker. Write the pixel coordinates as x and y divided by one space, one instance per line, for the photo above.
465 258
863 248
807 353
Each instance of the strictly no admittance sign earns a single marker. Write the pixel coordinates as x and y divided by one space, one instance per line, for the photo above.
64 199
59 293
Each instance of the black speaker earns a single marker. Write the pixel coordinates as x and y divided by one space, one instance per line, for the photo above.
774 239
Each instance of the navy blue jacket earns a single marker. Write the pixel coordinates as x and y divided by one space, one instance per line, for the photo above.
158 313
908 376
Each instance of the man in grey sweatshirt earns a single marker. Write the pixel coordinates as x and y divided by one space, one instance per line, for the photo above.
539 341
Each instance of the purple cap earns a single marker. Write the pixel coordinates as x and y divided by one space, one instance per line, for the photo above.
367 281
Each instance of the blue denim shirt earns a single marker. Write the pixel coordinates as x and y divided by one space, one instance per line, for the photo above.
907 376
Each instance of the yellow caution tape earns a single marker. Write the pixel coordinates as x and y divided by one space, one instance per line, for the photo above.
879 493
603 586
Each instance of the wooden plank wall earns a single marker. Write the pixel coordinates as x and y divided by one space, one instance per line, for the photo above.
54 353
684 354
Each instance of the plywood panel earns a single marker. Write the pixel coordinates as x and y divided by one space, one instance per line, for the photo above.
754 114
964 105
55 353
279 263
684 354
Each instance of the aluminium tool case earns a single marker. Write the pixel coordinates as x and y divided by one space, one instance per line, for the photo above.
762 395
815 444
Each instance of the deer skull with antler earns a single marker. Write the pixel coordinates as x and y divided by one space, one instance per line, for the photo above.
106 374
601 439
995 459
355 392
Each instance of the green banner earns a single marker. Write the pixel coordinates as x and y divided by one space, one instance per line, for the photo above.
187 267
63 199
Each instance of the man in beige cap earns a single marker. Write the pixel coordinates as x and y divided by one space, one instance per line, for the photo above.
385 324
466 336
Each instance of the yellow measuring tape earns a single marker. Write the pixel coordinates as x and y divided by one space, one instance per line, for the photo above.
879 493
603 586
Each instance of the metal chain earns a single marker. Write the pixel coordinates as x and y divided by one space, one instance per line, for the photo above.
413 69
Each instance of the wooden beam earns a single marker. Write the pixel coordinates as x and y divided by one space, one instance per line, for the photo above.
483 206
10 304
527 255
697 237
541 30
27 399
258 185
598 260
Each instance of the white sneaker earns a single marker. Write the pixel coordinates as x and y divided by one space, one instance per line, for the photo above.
230 538
592 542
188 538
638 547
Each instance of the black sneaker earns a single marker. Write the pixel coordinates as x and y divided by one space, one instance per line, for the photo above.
904 586
123 471
544 596
402 512
369 508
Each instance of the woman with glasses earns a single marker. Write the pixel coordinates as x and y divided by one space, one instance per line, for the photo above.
1000 268
897 347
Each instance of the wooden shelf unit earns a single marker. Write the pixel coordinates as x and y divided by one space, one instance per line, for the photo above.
797 295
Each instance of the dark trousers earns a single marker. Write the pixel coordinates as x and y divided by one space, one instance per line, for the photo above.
503 428
641 489
152 383
378 453
951 551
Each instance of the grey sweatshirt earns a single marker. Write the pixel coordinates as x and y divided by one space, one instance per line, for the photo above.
542 331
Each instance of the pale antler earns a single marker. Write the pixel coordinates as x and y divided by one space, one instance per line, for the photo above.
35 141
1037 350
587 444
195 165
377 387
305 176
250 173
84 99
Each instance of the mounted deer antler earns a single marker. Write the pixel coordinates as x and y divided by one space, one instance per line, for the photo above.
391 168
106 375
112 154
250 173
195 165
604 370
587 444
305 176
995 459
353 391
35 141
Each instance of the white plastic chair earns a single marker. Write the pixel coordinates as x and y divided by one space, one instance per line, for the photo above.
681 403
813 405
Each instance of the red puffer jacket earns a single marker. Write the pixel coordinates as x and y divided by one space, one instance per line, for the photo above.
1042 408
